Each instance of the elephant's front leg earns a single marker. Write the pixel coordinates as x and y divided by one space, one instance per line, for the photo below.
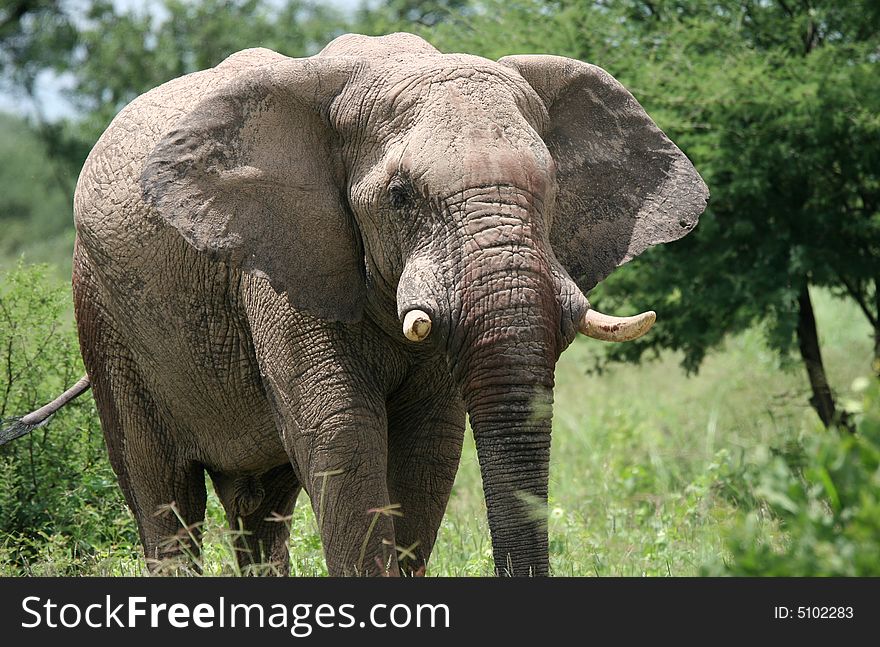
339 445
426 422
327 390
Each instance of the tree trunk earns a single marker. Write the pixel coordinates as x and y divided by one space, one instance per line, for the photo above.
876 325
822 399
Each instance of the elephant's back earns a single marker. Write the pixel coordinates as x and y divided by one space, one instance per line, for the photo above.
108 202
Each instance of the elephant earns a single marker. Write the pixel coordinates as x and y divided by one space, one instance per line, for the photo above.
307 273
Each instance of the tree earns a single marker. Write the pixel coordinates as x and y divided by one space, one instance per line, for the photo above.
124 54
36 36
33 35
35 211
777 103
406 15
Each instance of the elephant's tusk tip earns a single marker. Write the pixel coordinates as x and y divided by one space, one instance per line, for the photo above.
416 325
607 328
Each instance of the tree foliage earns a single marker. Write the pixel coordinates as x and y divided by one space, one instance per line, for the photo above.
409 15
40 228
778 106
34 36
824 493
54 481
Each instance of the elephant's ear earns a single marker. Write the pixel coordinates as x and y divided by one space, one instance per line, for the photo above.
623 185
249 176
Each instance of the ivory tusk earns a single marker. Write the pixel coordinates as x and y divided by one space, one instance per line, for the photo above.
416 325
608 328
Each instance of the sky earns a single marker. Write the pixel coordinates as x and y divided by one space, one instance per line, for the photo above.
51 87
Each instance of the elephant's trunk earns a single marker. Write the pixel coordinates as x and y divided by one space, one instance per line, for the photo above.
505 346
511 427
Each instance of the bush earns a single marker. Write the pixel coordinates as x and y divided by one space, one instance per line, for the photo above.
56 485
822 497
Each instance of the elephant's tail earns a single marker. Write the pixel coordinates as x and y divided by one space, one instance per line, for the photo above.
18 427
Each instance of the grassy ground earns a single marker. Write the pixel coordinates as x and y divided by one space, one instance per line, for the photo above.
643 457
643 475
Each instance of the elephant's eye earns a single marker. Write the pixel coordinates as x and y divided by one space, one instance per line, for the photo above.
398 193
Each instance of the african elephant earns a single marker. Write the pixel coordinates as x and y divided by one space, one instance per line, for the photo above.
304 273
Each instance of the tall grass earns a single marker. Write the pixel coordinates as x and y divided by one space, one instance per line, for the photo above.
645 460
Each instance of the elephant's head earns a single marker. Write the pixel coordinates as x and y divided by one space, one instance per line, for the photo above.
472 201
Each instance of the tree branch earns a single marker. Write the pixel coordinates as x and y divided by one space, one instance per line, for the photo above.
786 8
859 298
877 328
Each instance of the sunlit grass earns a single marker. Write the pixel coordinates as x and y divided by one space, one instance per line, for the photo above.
640 480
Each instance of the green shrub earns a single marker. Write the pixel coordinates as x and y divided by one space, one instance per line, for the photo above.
817 504
56 485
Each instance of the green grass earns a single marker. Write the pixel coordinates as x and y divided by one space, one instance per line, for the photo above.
644 474
644 458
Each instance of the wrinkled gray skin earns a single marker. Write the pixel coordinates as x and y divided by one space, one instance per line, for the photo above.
250 237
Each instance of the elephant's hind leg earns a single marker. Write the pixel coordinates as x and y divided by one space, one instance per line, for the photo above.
163 487
258 509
